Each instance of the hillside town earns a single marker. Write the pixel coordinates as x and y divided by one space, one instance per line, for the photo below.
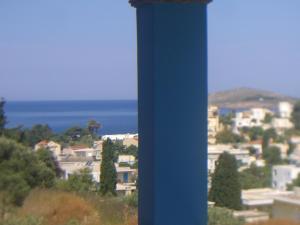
245 134
263 145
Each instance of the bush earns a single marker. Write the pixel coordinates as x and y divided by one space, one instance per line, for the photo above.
28 220
59 208
21 170
222 216
81 182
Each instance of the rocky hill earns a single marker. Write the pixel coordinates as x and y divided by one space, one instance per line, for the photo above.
247 98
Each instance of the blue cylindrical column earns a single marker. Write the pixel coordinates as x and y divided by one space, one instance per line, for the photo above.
172 92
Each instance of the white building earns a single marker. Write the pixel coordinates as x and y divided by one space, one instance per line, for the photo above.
251 118
261 198
282 175
282 124
118 137
79 151
52 146
285 109
71 165
214 151
129 159
214 125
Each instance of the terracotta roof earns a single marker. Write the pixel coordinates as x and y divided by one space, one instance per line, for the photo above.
137 2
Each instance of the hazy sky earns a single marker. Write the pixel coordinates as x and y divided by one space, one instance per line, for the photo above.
86 49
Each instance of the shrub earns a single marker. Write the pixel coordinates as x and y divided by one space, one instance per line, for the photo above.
59 208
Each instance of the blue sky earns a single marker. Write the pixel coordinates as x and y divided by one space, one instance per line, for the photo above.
79 49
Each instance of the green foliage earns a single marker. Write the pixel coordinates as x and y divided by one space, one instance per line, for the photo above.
254 133
225 188
21 170
227 120
17 134
291 148
131 150
267 136
108 177
50 161
80 182
37 133
268 118
295 183
93 127
272 155
2 115
222 216
227 136
296 116
256 177
29 220
132 200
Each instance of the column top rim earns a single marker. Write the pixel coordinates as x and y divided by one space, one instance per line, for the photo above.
140 2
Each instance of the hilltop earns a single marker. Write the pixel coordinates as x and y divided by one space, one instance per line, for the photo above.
247 97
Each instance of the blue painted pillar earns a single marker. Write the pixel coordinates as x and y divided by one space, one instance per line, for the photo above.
172 92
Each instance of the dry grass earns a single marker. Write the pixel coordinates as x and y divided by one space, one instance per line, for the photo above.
59 208
276 222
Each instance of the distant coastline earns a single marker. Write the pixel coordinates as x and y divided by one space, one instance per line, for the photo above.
115 116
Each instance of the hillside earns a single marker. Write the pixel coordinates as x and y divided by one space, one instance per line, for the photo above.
246 98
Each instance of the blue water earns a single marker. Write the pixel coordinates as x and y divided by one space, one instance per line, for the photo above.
114 116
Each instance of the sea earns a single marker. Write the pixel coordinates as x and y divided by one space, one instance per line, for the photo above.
115 117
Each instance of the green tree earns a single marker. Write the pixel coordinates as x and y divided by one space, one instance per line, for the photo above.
93 127
21 170
50 161
296 115
256 177
16 133
131 150
108 177
295 183
255 133
222 216
227 120
226 136
272 155
37 133
2 116
225 187
80 182
268 135
268 118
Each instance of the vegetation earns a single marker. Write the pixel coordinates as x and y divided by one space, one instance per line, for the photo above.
268 118
256 177
21 170
222 216
225 187
227 120
80 182
227 136
296 116
272 155
93 127
2 116
269 135
108 177
254 133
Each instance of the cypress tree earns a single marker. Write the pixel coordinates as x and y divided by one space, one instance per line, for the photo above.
226 189
108 177
2 115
